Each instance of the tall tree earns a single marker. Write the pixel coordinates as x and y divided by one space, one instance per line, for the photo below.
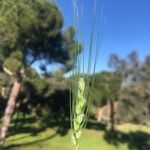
127 69
106 88
31 31
134 94
104 92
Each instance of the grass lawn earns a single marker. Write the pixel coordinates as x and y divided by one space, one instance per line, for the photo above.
126 137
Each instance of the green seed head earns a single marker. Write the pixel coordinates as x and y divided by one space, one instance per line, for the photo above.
78 119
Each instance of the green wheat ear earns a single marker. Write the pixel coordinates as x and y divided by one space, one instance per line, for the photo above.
78 119
81 82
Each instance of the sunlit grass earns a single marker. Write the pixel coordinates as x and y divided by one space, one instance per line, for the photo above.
49 140
128 127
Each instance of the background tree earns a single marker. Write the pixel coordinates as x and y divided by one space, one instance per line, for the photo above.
106 88
134 95
31 31
104 92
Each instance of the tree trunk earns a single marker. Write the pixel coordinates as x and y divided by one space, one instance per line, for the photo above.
110 123
9 111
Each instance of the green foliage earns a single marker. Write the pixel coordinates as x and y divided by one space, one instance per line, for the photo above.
14 61
134 95
136 100
106 88
5 85
8 14
30 31
34 29
42 95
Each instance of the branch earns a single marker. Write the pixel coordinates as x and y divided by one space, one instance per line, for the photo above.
7 71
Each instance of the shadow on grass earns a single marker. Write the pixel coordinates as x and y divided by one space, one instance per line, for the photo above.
14 146
27 125
93 124
135 140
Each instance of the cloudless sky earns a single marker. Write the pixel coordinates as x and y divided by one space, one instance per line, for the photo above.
127 27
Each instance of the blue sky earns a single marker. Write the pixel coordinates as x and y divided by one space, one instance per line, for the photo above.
127 27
